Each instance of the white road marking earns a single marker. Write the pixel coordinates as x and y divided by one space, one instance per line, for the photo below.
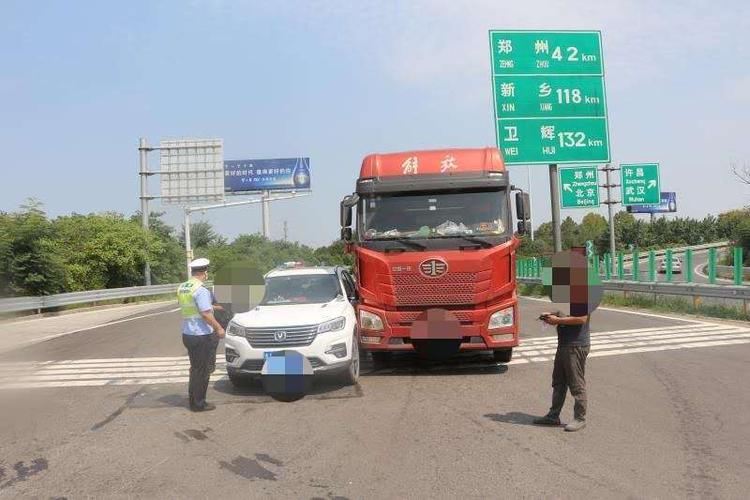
116 322
175 369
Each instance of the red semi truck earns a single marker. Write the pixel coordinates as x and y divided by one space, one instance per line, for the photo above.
435 251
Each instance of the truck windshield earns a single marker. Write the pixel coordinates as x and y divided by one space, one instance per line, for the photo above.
300 289
481 213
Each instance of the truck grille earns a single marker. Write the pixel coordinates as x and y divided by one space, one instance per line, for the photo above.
295 336
411 316
451 288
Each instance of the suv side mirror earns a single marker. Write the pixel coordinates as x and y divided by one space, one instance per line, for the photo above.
523 206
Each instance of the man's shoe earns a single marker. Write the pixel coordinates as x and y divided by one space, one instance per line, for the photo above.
547 420
575 425
205 407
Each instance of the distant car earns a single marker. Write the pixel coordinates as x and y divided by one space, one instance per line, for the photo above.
305 309
676 266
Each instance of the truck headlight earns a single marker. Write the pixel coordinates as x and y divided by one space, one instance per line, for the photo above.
370 321
234 329
332 326
501 318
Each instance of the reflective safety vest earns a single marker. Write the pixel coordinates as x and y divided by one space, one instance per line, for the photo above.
185 298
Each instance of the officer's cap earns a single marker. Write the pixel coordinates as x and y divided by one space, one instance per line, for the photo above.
199 264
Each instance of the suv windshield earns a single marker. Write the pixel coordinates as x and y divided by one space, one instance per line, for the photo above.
300 289
480 213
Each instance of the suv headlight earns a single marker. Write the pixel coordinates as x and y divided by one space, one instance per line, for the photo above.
234 329
332 326
501 318
370 321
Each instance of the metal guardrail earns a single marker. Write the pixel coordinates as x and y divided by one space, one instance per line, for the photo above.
17 304
662 288
694 248
613 267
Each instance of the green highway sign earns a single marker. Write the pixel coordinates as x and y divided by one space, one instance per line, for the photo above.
579 187
547 52
549 98
640 183
553 140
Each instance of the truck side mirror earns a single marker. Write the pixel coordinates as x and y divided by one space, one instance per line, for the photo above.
346 234
521 227
523 206
346 209
346 214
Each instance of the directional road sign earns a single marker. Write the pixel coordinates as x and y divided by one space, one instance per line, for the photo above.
640 183
550 104
579 187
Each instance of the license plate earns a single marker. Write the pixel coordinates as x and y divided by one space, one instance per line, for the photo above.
267 354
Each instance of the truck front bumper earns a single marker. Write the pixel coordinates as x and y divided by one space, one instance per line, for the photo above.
396 334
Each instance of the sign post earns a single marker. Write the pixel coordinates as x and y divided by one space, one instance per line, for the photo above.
549 101
579 187
143 172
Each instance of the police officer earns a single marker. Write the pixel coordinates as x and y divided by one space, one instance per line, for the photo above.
200 333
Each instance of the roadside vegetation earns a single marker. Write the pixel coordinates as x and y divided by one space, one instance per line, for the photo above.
43 256
665 232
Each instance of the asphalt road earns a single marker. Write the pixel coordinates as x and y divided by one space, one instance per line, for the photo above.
102 413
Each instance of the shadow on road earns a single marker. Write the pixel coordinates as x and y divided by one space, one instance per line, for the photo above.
512 417
409 363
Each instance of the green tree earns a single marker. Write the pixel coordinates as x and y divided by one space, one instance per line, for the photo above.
167 257
569 233
592 227
105 250
32 258
202 235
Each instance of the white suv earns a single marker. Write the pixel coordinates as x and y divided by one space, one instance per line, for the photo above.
305 309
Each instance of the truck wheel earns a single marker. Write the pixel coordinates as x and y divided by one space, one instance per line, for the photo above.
380 358
351 375
502 355
240 381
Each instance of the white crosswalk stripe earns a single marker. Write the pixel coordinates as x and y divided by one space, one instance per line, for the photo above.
175 369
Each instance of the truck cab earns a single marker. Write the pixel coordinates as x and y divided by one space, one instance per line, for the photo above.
435 251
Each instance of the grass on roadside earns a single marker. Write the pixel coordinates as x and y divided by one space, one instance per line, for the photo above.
663 303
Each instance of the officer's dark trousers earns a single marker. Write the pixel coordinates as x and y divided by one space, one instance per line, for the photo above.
202 353
569 371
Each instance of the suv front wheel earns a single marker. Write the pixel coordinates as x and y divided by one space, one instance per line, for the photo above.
350 376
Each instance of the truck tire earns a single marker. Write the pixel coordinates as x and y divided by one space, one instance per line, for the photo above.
240 381
502 355
380 358
350 376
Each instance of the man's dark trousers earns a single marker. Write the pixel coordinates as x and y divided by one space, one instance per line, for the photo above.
569 371
202 353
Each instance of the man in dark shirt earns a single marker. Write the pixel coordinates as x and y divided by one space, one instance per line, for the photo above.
573 343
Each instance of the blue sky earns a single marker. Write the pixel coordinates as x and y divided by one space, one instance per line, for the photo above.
81 81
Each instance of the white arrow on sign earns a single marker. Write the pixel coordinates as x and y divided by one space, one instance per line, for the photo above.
651 184
566 187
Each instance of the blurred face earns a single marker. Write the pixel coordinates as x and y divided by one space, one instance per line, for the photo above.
201 275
